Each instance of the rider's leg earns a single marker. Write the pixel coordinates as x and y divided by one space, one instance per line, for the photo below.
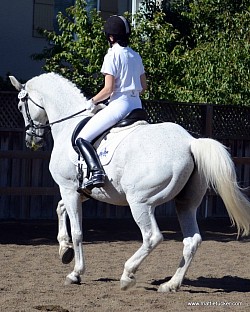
117 109
92 160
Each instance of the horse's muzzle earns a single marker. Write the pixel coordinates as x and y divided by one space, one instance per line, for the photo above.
34 143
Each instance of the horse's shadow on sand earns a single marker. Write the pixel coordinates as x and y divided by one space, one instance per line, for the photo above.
225 284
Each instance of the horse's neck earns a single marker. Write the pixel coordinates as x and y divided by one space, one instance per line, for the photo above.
59 111
63 106
61 99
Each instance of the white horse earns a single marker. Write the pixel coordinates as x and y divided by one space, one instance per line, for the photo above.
153 164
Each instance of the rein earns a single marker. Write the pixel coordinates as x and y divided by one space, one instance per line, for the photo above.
23 96
65 118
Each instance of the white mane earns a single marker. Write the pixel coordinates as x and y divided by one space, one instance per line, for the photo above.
62 89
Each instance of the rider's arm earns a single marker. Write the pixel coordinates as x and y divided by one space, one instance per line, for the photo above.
143 83
106 91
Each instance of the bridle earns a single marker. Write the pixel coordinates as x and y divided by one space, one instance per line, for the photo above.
24 97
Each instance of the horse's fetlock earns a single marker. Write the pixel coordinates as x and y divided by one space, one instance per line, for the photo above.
158 238
198 239
82 271
60 208
63 240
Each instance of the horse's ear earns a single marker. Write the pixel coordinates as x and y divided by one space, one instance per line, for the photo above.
16 83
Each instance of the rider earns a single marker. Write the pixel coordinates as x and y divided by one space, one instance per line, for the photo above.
124 81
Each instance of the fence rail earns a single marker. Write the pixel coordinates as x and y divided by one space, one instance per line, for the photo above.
27 190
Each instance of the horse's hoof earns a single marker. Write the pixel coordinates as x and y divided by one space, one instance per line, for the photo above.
69 281
166 288
67 255
127 282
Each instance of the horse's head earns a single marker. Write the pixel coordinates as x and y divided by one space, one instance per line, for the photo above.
35 118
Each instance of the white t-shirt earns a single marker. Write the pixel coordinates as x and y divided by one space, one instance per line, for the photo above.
126 66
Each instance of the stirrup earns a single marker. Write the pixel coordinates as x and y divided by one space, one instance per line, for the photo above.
97 180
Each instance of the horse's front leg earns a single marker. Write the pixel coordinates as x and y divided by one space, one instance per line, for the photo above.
66 251
72 202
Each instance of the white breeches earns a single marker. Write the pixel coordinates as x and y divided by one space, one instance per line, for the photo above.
120 105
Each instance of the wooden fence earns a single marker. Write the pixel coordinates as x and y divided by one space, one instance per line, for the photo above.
27 190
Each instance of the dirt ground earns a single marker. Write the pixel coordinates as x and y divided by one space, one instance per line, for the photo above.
32 276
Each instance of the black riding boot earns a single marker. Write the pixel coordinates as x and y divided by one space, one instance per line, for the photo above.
94 165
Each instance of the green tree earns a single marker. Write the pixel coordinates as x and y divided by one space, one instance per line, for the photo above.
155 39
77 52
216 69
208 62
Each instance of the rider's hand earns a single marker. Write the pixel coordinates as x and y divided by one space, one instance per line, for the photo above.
90 105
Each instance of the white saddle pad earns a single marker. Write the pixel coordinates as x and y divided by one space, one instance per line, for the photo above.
107 144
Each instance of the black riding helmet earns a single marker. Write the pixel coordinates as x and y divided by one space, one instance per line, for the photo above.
119 28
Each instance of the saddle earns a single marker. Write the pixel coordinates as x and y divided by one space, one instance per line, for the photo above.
135 115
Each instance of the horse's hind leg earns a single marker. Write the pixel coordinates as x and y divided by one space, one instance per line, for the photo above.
66 251
145 219
191 241
186 205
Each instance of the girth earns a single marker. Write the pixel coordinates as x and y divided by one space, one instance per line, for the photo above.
135 115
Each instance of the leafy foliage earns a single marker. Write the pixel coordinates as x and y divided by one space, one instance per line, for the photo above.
77 52
216 70
192 50
209 61
154 40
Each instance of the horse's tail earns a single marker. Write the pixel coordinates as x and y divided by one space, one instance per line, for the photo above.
215 163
